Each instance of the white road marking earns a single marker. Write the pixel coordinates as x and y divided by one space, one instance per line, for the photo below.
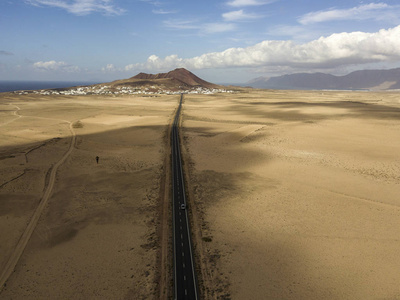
178 179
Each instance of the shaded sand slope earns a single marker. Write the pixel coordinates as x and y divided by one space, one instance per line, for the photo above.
97 236
297 193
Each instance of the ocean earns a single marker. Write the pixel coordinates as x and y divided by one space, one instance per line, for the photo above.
10 86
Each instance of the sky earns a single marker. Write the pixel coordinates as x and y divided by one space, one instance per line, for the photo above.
229 41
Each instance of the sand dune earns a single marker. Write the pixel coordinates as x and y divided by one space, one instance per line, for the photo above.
97 235
297 193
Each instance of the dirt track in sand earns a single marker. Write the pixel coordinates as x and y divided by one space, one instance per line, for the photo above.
20 247
97 236
296 194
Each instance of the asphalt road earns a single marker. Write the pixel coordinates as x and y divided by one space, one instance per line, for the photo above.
184 272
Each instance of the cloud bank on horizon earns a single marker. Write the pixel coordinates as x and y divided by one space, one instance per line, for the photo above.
113 38
325 52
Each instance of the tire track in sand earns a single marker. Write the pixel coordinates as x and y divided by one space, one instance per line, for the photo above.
19 249
15 113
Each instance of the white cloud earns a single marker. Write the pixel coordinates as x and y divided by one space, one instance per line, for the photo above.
159 10
206 28
156 63
375 11
217 27
326 52
241 3
154 3
109 68
180 24
81 7
49 65
55 66
163 12
238 15
298 33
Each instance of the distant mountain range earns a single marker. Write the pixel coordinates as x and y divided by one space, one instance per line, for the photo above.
358 80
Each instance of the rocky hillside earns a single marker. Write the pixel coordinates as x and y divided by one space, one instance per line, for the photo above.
173 80
358 80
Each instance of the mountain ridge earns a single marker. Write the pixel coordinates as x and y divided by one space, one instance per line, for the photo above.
357 80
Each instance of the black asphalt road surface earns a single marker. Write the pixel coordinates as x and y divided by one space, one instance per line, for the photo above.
184 272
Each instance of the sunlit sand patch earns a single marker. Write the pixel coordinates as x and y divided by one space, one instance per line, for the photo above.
108 119
237 134
305 154
298 193
109 205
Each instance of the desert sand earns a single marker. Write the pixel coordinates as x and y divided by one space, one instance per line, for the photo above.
97 236
293 195
296 194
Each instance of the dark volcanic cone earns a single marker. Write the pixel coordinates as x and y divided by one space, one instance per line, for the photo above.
173 80
181 74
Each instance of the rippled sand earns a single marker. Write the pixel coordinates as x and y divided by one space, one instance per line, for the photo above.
97 236
297 194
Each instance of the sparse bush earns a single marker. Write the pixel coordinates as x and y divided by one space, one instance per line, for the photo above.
207 239
77 124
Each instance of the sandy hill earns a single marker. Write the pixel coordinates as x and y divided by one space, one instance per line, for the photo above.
173 80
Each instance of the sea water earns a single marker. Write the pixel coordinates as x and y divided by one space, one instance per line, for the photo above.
10 86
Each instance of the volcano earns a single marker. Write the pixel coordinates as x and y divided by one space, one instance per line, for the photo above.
173 80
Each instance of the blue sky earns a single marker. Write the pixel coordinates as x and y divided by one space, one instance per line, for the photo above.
229 41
